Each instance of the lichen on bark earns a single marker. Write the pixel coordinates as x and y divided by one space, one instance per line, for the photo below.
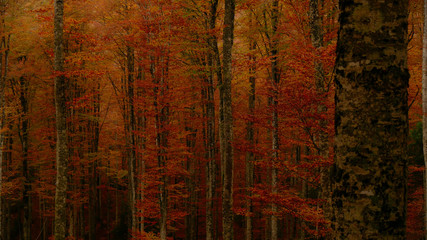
371 121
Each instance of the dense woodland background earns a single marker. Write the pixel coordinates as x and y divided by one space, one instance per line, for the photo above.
143 110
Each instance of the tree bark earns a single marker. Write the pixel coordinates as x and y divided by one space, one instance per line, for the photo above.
210 125
61 125
162 115
191 218
275 73
316 35
140 141
3 68
25 168
369 176
94 131
424 96
226 124
131 138
250 158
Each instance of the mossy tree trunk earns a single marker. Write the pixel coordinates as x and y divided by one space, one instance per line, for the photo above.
371 121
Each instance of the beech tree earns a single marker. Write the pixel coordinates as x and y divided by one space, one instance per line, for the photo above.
215 67
185 122
226 124
424 103
275 77
3 71
371 121
250 156
61 125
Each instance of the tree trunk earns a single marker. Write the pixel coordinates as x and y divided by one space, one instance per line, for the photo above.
61 125
3 68
25 169
210 124
369 175
140 141
275 118
226 124
131 139
424 95
322 138
93 131
250 158
162 113
191 218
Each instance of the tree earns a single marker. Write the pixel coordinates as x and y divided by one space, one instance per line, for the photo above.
250 157
61 125
424 95
3 71
371 121
275 77
213 57
226 124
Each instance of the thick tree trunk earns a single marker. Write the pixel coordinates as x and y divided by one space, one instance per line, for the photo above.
210 125
369 175
226 124
61 125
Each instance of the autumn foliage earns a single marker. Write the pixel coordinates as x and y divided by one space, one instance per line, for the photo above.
137 74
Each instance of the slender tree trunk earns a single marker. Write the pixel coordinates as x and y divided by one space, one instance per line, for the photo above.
4 57
322 138
131 138
191 219
424 95
210 124
275 119
25 168
250 158
61 125
369 176
162 165
226 124
93 131
2 118
162 113
1 159
140 141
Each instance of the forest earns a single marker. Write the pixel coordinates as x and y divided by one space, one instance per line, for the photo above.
213 119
